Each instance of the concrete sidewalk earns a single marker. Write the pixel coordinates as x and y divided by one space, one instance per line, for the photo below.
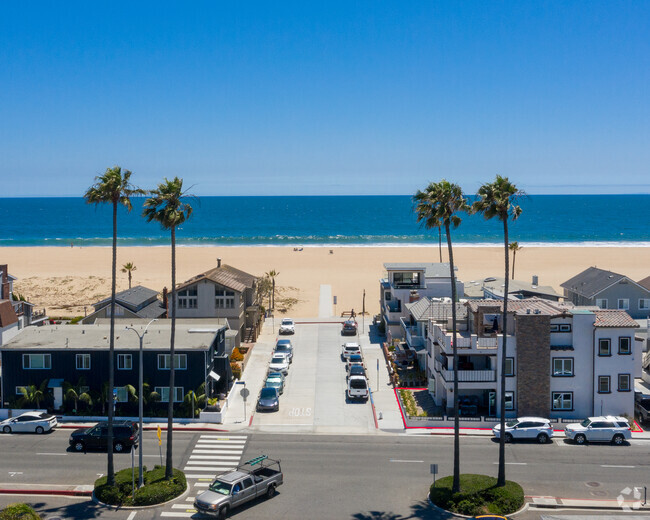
49 489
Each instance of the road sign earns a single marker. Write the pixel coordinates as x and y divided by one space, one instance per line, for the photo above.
245 392
159 435
434 469
334 300
240 382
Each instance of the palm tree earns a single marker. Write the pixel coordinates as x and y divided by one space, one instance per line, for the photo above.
33 395
514 247
75 393
129 267
496 199
167 207
272 274
437 206
115 188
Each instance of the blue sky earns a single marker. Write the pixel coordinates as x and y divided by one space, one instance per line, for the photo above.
265 98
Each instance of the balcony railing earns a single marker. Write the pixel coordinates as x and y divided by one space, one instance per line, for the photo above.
413 337
463 340
467 376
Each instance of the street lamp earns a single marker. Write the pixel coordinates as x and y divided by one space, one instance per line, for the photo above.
140 399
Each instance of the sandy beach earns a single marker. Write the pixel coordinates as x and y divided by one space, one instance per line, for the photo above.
64 280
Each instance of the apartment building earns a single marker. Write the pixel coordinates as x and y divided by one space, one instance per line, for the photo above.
561 361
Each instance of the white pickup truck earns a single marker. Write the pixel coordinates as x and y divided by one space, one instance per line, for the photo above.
255 478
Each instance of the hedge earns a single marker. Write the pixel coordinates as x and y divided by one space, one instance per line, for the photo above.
478 494
18 511
156 489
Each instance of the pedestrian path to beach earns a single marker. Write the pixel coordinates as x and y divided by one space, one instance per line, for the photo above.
325 302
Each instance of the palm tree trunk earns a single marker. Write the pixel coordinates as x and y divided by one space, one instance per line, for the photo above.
501 478
129 279
273 280
440 243
514 257
110 472
170 407
456 482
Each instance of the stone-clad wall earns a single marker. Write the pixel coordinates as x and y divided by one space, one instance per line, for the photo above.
533 395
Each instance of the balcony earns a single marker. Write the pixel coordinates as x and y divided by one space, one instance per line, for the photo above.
466 376
465 340
412 334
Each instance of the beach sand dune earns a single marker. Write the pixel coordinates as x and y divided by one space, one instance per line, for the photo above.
64 280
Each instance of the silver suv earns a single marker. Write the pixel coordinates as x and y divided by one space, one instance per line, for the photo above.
536 428
349 348
600 429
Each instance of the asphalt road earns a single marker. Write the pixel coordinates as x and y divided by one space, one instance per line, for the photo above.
343 477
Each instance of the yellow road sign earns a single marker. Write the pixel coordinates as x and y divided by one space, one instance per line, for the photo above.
159 437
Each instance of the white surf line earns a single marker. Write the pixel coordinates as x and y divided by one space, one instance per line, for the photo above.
54 454
400 460
615 466
225 437
132 515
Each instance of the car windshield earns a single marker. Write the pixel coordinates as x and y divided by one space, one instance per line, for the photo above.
273 383
287 322
585 423
277 359
356 370
268 393
221 487
282 348
512 424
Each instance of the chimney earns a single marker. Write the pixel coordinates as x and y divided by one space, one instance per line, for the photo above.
4 294
535 280
218 262
165 301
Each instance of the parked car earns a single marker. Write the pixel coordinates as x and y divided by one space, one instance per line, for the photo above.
599 429
642 409
349 328
279 363
526 428
349 348
269 400
287 326
275 382
29 422
284 348
353 359
245 483
125 436
357 387
356 370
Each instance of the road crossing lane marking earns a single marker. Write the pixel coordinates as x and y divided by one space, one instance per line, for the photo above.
201 484
222 437
216 457
210 469
183 506
218 452
132 515
174 514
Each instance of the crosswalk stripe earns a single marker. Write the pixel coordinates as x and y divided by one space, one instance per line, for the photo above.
208 468
227 437
218 451
225 441
210 462
174 514
216 457
201 484
190 499
183 506
206 477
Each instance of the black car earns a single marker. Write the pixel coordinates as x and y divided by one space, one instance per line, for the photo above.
357 370
125 436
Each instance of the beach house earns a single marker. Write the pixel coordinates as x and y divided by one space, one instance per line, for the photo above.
562 361
222 292
57 355
406 283
493 288
137 302
15 312
608 290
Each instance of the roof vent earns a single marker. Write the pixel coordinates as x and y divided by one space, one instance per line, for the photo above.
537 311
527 311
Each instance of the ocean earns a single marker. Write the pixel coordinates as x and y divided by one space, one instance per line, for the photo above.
564 220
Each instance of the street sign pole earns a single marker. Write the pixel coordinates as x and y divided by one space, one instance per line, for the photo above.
377 375
434 472
159 444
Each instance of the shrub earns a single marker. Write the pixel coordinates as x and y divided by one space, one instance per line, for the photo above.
156 488
236 355
76 320
478 494
236 370
18 512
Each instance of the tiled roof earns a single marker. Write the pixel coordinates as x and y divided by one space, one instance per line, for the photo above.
592 281
645 282
431 270
425 308
614 318
226 276
7 313
534 305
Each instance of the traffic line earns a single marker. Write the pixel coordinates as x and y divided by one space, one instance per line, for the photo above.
212 462
615 466
400 460
201 484
222 441
211 469
54 454
182 506
215 457
515 463
132 515
219 452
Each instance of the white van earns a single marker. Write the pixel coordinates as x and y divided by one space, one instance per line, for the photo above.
357 387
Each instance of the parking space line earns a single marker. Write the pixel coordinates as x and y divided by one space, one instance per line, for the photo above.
615 466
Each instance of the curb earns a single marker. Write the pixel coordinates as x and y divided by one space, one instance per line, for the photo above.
57 492
151 428
520 510
137 508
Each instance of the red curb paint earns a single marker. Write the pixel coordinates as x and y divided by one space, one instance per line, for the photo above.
251 421
151 428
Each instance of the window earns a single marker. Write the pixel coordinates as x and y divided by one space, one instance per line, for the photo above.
406 279
164 394
188 298
224 299
180 361
124 362
562 367
601 303
604 384
119 311
510 400
555 327
623 304
510 366
37 361
644 304
624 382
625 346
388 296
604 347
83 361
565 327
562 401
122 396
18 391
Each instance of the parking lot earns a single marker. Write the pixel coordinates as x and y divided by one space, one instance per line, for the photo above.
314 397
